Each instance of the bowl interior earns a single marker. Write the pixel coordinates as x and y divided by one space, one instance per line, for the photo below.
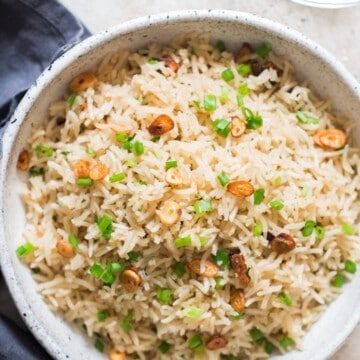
60 338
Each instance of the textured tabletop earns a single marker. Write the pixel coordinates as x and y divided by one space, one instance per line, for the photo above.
336 30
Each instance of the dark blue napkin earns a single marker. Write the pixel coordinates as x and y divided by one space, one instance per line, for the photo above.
32 34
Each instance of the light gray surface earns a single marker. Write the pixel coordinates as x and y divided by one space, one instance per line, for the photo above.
336 30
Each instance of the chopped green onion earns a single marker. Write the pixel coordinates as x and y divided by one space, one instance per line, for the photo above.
350 267
155 138
304 191
131 163
220 45
133 256
319 232
25 249
257 229
90 152
84 182
105 225
73 240
164 295
164 347
115 267
308 228
244 89
195 342
338 281
244 69
227 75
192 312
203 206
170 164
197 105
71 99
36 171
223 178
203 241
277 180
102 315
121 137
127 323
222 127
237 316
65 152
257 335
182 241
44 151
138 148
99 345
96 270
179 269
209 103
263 50
120 176
219 283
268 347
127 145
152 61
285 299
348 229
221 258
253 121
224 96
306 119
276 204
259 196
285 342
240 100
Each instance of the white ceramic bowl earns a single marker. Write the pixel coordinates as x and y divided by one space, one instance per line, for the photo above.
312 62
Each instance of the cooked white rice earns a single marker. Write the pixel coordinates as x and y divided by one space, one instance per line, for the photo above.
281 157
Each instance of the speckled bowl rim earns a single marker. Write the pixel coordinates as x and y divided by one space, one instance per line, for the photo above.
281 31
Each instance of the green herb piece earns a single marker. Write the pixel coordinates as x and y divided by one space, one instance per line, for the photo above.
164 347
121 137
268 347
253 121
276 204
338 281
127 323
244 89
209 103
308 228
348 229
90 152
222 127
221 258
237 316
319 232
285 299
259 196
350 266
138 148
224 96
223 179
170 164
285 342
65 152
71 99
277 180
182 241
133 256
73 240
127 145
155 138
131 163
99 345
306 119
203 206
304 191
25 249
227 75
263 50
195 342
44 151
192 312
152 61
120 176
84 182
203 241
105 225
179 269
220 45
164 295
244 69
96 270
257 229
219 283
115 267
103 315
197 105
257 335
36 171
240 101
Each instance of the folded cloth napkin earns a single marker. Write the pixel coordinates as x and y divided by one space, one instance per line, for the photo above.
32 34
